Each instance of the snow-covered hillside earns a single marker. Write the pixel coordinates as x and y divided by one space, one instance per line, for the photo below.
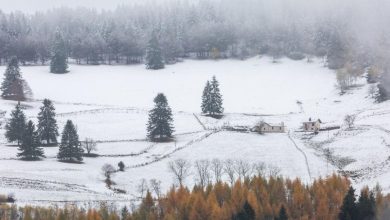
110 104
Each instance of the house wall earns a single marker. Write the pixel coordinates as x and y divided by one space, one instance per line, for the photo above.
273 129
311 126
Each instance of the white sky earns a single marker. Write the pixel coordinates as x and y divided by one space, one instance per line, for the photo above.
31 6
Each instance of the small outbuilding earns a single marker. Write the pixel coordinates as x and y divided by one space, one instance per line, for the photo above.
264 127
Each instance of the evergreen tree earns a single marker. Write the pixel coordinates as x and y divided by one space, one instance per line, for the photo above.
12 85
160 126
70 149
58 62
282 213
366 205
47 124
15 126
212 99
247 213
30 149
206 99
348 210
124 213
154 59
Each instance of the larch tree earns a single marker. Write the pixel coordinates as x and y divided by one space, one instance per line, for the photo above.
70 149
30 148
212 99
47 123
15 126
159 127
154 59
12 85
59 63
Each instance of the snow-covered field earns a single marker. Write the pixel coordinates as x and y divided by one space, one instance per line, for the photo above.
110 104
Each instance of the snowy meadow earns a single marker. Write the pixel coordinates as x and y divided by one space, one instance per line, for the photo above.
110 104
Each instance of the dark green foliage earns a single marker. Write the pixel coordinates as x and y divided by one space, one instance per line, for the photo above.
246 213
160 126
282 214
154 59
47 124
15 126
212 99
12 85
124 213
366 206
59 63
363 209
30 149
70 149
348 210
121 166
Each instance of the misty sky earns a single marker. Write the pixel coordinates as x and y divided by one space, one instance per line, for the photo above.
31 6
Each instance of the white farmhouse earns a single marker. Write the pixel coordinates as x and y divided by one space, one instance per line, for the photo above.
312 126
264 127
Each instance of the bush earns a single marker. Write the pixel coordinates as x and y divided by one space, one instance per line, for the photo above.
121 166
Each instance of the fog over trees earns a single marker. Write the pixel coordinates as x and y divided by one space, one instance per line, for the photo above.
356 32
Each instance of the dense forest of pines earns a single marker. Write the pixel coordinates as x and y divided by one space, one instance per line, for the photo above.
205 29
250 199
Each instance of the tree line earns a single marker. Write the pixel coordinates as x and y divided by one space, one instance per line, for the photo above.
204 29
252 198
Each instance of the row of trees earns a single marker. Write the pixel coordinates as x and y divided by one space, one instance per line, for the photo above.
249 199
206 172
31 139
205 29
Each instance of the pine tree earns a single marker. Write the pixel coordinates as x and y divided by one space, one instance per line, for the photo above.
12 85
160 126
282 213
212 99
247 213
30 149
206 99
348 210
366 205
124 213
154 59
47 124
58 62
15 126
70 149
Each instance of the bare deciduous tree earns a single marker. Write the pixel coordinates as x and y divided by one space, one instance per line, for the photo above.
202 168
229 170
350 120
108 170
242 168
89 145
142 187
273 171
156 187
217 169
259 169
180 169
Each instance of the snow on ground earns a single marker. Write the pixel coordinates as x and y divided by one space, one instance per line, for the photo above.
110 104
